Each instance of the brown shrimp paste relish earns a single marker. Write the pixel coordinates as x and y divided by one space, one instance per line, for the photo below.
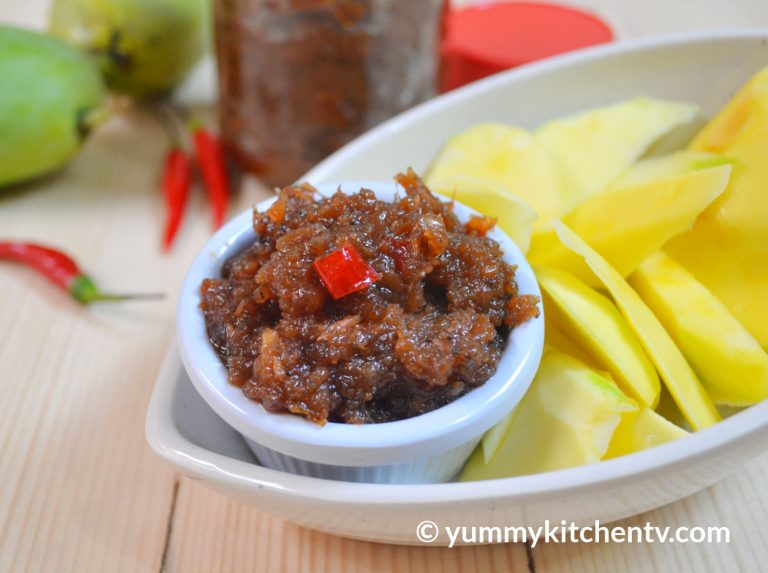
430 328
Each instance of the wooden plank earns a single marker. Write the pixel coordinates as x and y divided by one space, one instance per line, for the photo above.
80 489
213 533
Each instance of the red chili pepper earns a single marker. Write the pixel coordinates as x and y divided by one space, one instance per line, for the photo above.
62 270
210 159
177 175
345 271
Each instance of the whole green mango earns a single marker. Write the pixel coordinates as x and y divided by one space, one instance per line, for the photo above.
50 95
143 47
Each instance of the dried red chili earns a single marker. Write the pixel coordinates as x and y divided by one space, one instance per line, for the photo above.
62 270
345 271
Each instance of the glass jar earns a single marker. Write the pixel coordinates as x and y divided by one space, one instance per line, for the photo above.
300 78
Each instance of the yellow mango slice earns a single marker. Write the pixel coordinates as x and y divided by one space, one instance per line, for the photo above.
727 249
679 378
626 224
669 410
592 319
671 165
557 337
642 430
597 145
492 438
557 340
513 215
508 158
728 360
566 419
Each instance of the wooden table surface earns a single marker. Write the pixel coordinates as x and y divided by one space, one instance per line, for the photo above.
80 489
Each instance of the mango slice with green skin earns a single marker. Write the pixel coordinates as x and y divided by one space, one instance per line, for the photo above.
641 430
679 378
513 215
492 438
566 419
668 409
508 158
728 360
675 164
727 249
596 323
556 339
625 224
50 94
597 145
144 48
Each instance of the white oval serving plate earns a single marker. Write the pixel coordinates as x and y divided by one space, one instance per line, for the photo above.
701 68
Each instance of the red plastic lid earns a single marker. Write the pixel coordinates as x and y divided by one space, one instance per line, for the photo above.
484 39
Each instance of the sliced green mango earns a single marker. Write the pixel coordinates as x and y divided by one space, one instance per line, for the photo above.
642 430
513 215
726 357
492 438
679 378
566 419
508 158
668 409
557 341
627 223
727 249
597 145
672 165
593 320
556 337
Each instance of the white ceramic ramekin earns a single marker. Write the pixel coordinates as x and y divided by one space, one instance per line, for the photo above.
428 448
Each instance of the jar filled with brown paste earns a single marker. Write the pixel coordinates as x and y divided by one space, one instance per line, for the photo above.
300 78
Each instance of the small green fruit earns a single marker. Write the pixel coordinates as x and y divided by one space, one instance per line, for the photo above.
144 48
50 95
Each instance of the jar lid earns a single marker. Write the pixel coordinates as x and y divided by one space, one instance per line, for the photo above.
488 38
